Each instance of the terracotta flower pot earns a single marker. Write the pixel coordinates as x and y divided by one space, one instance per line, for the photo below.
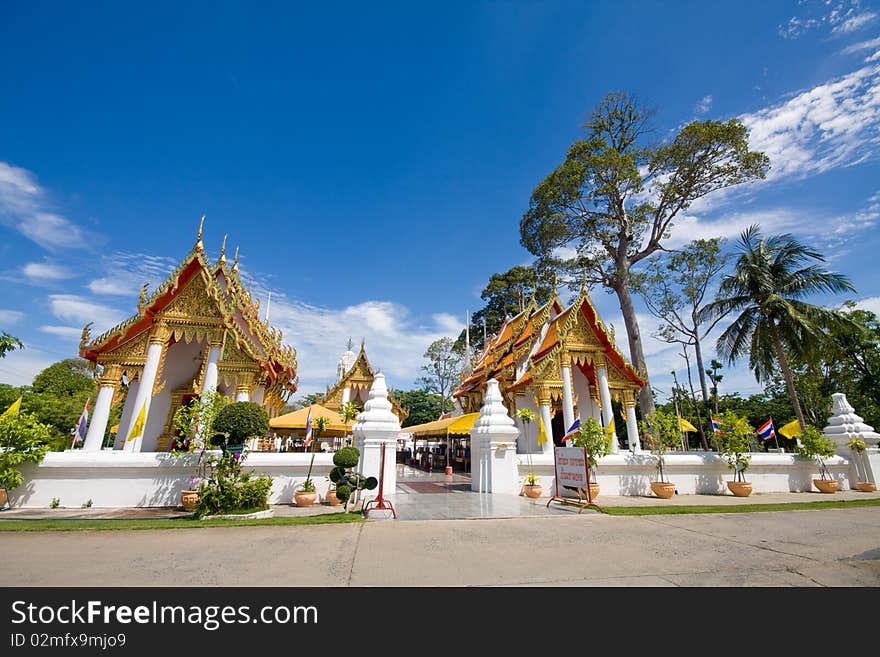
663 489
826 485
594 490
532 491
303 498
866 486
330 499
740 488
189 499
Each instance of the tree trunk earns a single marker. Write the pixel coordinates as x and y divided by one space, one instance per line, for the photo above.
786 372
699 353
637 354
700 431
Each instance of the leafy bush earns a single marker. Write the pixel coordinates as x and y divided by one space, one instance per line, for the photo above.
347 482
229 488
816 446
594 440
733 440
23 439
240 421
664 432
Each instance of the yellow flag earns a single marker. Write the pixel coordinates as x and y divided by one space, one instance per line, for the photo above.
791 429
609 430
542 434
13 408
685 425
137 429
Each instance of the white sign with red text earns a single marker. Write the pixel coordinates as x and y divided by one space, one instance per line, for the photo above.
571 467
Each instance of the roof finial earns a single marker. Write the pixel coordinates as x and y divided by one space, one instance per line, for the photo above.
349 343
584 282
199 245
142 298
363 341
235 261
555 283
222 259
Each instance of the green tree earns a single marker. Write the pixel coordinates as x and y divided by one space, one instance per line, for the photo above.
733 441
240 421
675 290
58 395
715 377
23 439
506 295
442 370
421 404
771 278
614 198
8 343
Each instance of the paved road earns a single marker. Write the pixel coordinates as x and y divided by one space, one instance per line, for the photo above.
838 547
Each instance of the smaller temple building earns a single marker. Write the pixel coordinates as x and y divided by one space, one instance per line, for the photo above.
561 363
200 330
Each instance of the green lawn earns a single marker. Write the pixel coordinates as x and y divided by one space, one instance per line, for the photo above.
735 508
76 524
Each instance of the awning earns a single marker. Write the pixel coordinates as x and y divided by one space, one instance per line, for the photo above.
460 424
297 420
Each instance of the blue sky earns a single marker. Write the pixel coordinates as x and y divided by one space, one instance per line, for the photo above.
373 163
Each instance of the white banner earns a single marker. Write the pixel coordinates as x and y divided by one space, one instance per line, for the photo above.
571 467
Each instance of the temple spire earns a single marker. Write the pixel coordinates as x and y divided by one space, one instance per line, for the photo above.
222 259
268 303
199 245
235 261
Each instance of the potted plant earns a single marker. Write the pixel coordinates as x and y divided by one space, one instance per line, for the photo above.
331 499
229 489
596 443
23 439
663 431
858 447
305 495
733 441
192 423
531 488
817 447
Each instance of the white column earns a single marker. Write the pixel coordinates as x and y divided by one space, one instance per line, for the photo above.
607 410
144 395
544 410
567 396
494 435
98 425
632 428
346 394
210 380
125 418
375 431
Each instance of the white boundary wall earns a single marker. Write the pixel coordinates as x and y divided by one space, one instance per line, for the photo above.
113 478
699 473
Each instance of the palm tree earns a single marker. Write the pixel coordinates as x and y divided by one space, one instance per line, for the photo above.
349 411
771 277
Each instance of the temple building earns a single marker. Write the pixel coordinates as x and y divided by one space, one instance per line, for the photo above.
200 330
354 378
561 363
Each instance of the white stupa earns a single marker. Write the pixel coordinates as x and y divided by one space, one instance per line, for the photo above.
845 424
493 446
346 362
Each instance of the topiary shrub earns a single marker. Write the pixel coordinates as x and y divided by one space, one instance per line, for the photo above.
347 482
238 422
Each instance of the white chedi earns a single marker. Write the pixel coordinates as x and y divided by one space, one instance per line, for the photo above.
845 424
494 420
377 416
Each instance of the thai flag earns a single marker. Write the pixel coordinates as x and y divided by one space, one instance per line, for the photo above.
573 430
715 424
309 428
766 430
80 433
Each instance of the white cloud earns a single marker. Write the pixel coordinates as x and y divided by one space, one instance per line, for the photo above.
19 367
704 105
80 310
64 332
46 271
11 316
690 227
854 22
871 304
125 273
862 45
395 340
23 205
836 124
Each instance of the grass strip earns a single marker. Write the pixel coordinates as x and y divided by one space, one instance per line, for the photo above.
87 524
735 508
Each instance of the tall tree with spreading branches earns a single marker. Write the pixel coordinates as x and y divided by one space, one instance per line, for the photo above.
614 198
442 370
771 278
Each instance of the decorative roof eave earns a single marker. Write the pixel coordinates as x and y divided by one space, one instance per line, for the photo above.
588 310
